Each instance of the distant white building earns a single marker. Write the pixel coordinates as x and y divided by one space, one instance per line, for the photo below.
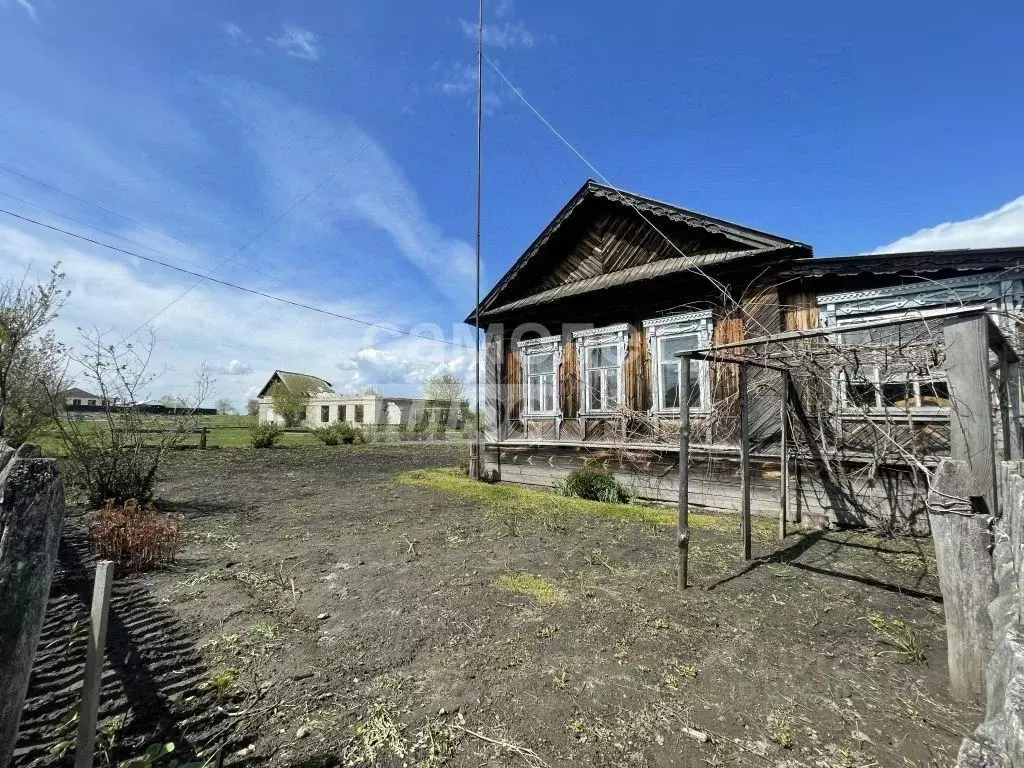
325 406
79 398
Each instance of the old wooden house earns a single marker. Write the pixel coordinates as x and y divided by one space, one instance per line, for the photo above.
583 333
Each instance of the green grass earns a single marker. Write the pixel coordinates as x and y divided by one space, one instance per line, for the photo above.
537 587
512 500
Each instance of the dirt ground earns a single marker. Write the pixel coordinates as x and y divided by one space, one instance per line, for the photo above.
346 618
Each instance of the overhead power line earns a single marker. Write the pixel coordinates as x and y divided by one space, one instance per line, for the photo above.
228 284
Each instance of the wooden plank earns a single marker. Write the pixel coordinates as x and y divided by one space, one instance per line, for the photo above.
1013 398
31 517
89 710
684 471
967 370
784 457
744 463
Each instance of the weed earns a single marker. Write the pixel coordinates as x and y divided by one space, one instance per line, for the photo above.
780 728
560 681
220 682
536 587
546 631
263 630
154 754
593 482
380 734
901 637
134 536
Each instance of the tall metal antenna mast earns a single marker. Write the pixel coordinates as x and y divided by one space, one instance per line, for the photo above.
479 194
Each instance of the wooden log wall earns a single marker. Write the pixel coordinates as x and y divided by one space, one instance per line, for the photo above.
570 379
514 385
637 370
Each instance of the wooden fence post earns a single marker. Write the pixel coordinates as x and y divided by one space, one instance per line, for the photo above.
683 531
474 460
31 518
89 711
202 439
784 457
962 503
744 461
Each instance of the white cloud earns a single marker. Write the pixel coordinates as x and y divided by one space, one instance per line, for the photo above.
296 148
504 8
506 34
298 42
405 369
460 80
28 7
235 33
234 368
213 323
1001 227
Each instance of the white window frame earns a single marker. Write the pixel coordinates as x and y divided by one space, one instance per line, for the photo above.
843 380
592 338
546 345
697 324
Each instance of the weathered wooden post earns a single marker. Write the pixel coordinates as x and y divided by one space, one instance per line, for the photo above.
784 456
31 518
202 439
962 503
683 531
474 460
92 683
744 461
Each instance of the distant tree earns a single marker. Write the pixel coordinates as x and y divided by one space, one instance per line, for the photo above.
288 405
447 394
225 407
373 392
253 407
173 401
31 362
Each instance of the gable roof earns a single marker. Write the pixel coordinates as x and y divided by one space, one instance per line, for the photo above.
80 393
743 239
298 383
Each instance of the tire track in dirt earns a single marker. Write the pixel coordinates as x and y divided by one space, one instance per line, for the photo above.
151 675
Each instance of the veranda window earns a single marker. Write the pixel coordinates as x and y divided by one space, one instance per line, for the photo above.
541 358
892 366
668 336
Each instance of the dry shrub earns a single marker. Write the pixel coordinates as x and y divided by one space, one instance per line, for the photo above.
134 536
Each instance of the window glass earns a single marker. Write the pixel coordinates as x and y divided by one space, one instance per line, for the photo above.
325 413
540 382
358 416
341 413
669 370
935 393
544 363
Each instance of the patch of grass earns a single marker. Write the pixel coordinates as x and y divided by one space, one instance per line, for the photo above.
780 728
545 505
902 638
537 587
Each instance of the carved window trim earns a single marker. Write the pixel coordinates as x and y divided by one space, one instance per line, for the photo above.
697 324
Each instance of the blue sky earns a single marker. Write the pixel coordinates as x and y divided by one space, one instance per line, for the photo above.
852 128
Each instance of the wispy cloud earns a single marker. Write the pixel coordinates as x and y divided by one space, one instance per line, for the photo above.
460 80
505 34
298 42
25 5
297 147
234 368
1001 227
235 34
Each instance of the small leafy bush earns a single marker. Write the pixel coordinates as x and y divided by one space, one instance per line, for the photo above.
134 536
339 433
595 483
264 435
440 432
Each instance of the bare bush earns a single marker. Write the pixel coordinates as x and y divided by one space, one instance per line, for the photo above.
134 536
116 457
